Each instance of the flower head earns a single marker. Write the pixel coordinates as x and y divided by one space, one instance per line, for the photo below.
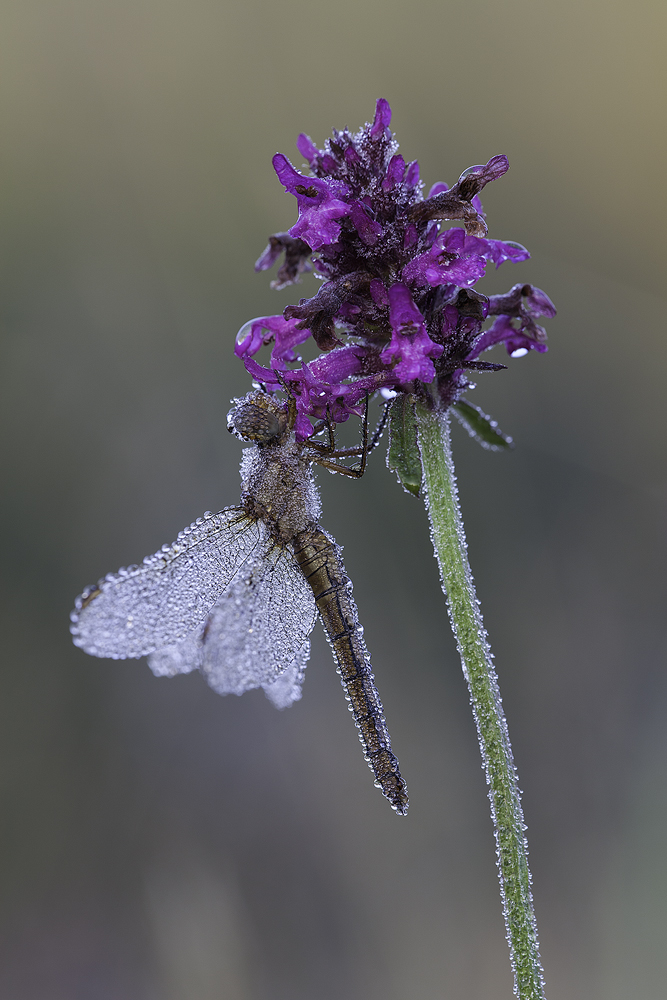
397 308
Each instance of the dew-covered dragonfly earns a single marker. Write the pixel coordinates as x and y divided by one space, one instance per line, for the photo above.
238 593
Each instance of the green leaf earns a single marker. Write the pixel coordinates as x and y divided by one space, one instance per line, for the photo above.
403 456
481 426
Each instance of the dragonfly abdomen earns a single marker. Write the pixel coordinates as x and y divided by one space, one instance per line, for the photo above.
320 560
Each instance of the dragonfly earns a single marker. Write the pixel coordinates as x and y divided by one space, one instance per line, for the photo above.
238 593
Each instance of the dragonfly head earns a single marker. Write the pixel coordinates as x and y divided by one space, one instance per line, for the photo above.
258 417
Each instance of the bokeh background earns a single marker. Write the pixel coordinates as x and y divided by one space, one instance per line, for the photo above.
162 843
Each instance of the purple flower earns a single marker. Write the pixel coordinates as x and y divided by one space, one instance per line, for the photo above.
522 301
447 262
496 250
307 148
368 229
261 331
320 204
380 127
515 325
296 253
395 172
397 308
517 339
410 343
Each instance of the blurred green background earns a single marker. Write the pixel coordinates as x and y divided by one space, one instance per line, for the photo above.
162 843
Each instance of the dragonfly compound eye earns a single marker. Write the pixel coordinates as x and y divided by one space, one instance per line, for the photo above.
257 417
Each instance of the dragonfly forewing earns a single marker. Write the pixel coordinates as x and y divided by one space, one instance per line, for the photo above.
162 601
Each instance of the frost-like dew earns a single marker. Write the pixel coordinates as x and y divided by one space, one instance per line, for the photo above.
158 604
260 624
286 689
181 658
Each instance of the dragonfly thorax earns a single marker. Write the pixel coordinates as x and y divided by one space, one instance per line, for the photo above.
278 488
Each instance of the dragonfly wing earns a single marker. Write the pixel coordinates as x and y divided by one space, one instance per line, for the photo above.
286 688
257 633
181 658
186 656
160 603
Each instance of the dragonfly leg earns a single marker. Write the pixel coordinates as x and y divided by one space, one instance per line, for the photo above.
349 452
325 455
345 470
379 430
291 401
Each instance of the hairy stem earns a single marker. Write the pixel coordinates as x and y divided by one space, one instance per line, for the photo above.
457 583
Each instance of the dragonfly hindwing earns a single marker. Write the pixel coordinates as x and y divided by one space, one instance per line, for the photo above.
257 633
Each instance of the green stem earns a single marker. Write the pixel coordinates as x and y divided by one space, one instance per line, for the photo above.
457 583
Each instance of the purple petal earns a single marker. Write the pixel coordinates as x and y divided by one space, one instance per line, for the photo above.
453 239
307 148
257 332
443 264
297 254
540 303
269 257
319 388
338 364
499 331
302 425
438 188
264 375
249 339
369 230
379 293
348 311
429 269
412 176
403 313
395 172
410 343
382 119
450 318
516 340
287 175
477 205
319 204
496 250
410 237
522 300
